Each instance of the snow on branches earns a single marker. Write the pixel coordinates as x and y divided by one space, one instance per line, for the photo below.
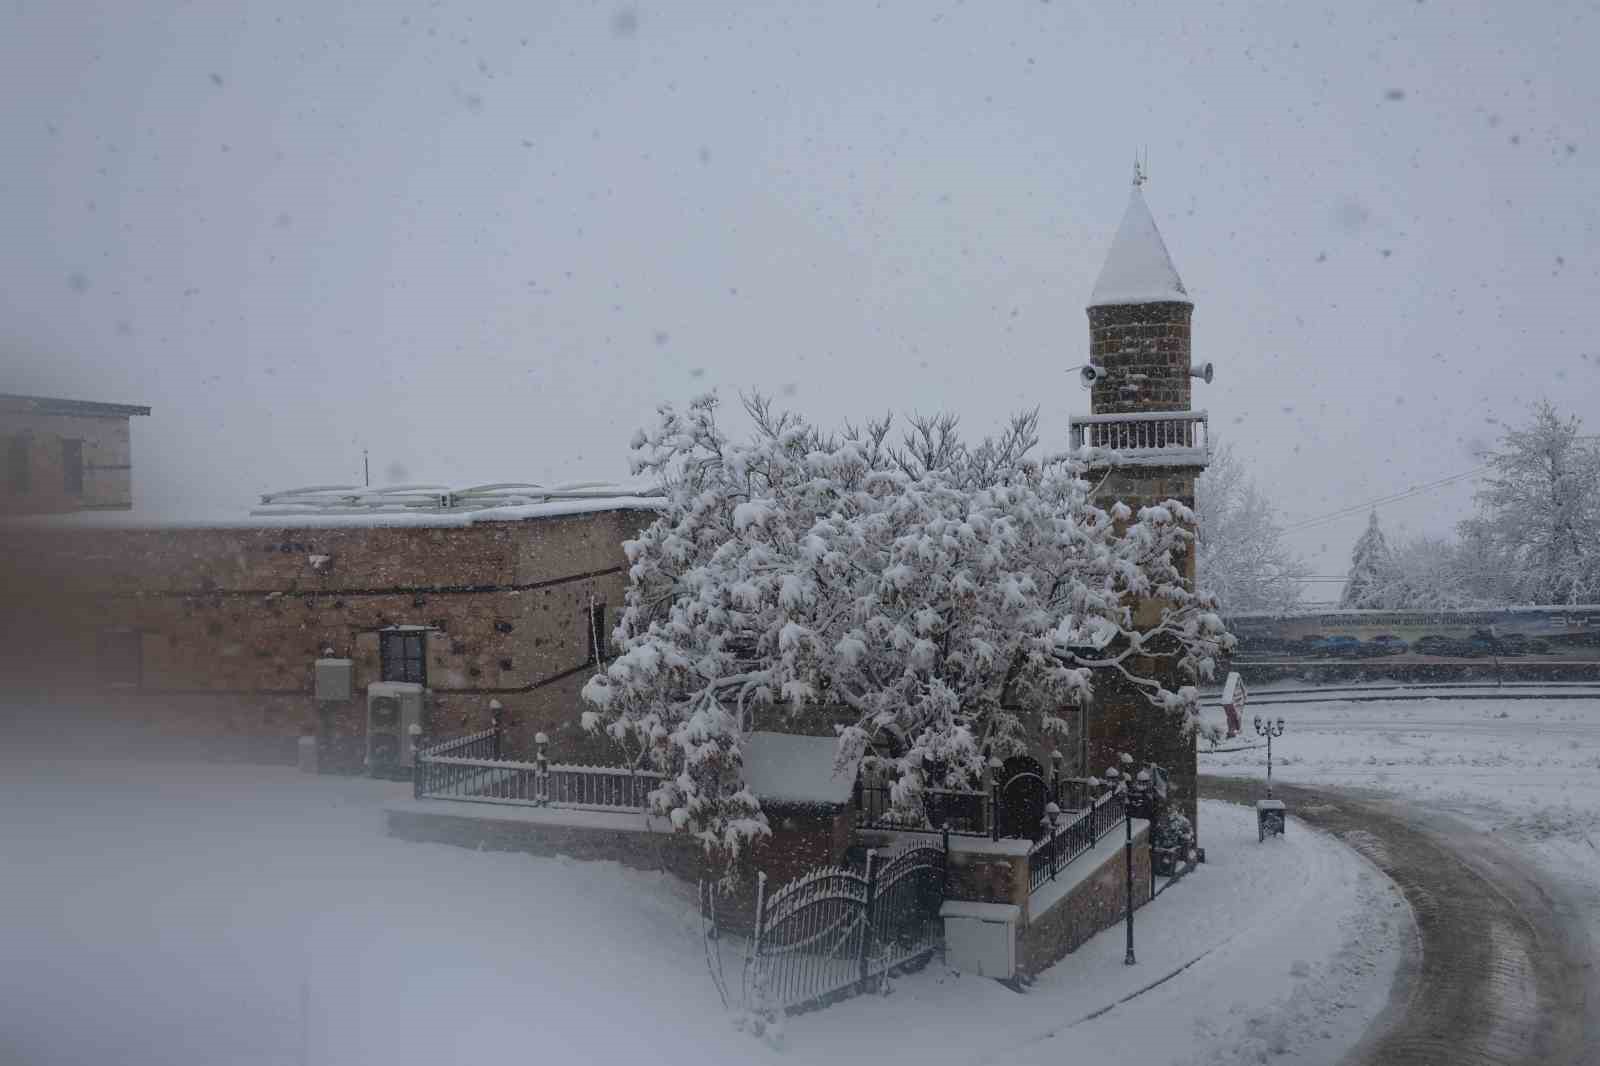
1242 558
1538 509
951 595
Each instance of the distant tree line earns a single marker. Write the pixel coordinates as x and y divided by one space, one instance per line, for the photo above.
1535 538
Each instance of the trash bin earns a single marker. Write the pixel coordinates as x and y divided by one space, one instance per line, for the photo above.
1269 818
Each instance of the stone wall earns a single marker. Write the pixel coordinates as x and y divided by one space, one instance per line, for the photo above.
483 828
107 482
802 839
978 870
1121 719
228 622
1096 903
1150 339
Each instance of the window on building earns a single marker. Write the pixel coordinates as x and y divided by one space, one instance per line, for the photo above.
72 466
599 634
402 655
121 660
17 473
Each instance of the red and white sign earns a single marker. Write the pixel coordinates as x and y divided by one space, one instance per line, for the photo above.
1233 697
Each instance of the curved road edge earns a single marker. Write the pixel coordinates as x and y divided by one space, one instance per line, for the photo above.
1504 972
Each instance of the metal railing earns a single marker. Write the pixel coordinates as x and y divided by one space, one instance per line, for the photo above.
1077 833
1141 431
962 812
454 766
469 768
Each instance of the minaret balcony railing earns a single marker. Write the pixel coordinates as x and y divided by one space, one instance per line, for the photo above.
1145 438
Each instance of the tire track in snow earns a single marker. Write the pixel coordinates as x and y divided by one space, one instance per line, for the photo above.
1503 975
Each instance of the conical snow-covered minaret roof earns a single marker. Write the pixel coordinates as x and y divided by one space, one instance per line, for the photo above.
1138 269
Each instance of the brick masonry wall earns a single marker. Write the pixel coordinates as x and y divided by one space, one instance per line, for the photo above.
230 621
1098 903
1149 339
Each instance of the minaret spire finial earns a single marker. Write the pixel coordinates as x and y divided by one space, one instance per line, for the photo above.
1141 170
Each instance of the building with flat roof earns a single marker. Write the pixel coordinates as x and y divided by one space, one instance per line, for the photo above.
204 637
66 455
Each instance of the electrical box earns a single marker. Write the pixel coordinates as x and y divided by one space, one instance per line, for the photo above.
981 938
335 680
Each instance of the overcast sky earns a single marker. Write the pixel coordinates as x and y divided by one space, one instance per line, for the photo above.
485 239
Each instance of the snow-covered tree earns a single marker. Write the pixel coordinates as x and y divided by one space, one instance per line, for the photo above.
1241 558
957 596
1371 570
1539 511
1430 573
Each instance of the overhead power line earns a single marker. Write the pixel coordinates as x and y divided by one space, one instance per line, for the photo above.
1395 497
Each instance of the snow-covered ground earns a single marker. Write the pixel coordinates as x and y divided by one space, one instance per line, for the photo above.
1526 770
181 914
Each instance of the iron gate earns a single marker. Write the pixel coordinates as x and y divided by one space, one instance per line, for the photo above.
834 932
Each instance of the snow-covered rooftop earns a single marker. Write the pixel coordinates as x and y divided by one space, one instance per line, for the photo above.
1138 269
781 768
330 506
444 500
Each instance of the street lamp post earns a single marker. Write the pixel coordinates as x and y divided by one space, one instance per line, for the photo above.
1270 813
1269 729
1127 824
1133 798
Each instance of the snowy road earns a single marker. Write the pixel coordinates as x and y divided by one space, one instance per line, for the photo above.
1504 972
1484 813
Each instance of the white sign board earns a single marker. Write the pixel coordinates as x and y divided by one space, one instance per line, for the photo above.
1233 692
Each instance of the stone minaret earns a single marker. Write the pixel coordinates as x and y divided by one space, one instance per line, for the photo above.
1139 344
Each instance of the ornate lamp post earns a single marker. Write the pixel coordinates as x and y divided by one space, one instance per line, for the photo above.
1270 813
1269 730
1135 803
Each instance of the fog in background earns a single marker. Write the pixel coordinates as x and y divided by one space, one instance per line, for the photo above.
484 240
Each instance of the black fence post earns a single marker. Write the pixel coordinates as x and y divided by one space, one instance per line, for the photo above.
755 947
867 916
994 798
